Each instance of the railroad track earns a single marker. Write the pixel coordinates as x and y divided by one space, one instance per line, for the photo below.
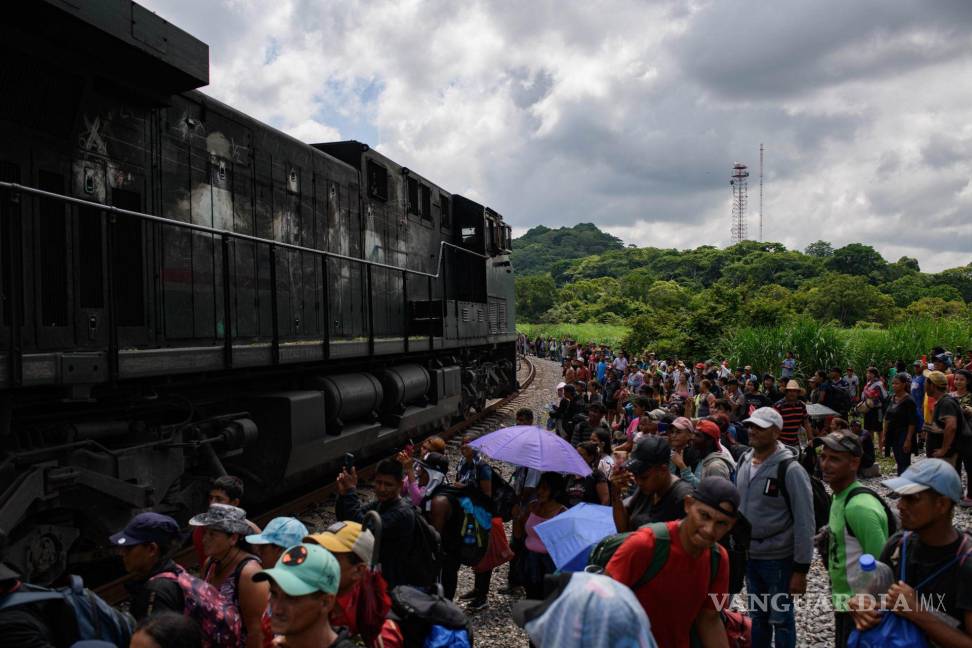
482 422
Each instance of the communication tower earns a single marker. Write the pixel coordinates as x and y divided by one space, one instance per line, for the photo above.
739 186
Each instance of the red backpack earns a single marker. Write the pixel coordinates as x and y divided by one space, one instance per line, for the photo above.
218 618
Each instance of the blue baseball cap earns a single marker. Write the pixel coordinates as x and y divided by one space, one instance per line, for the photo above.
934 474
146 527
282 531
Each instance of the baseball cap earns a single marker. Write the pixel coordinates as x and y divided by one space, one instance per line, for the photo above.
683 423
346 537
843 441
281 531
304 569
146 527
765 417
709 428
933 474
937 377
649 451
222 517
561 385
716 491
584 609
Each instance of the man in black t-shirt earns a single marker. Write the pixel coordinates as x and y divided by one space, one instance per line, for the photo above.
946 430
659 496
937 591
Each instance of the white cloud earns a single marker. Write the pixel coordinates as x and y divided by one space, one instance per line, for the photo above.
630 114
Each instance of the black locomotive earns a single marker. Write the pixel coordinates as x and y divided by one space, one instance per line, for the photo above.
188 292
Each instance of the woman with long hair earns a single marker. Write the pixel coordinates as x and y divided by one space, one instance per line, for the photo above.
963 393
593 488
901 421
537 563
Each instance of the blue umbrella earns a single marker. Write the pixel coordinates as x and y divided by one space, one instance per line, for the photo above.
570 536
532 447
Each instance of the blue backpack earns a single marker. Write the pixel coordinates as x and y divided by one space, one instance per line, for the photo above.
95 618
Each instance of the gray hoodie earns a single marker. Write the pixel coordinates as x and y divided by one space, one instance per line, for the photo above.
775 534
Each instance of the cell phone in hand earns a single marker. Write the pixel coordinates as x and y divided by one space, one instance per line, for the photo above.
348 461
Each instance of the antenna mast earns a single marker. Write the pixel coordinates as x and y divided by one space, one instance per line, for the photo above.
738 182
761 192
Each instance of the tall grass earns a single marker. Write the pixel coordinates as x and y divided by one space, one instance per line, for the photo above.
821 346
610 334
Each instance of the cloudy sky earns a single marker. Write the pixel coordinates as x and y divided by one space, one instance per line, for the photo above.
630 114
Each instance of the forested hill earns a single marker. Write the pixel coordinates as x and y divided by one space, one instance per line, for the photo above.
701 293
543 249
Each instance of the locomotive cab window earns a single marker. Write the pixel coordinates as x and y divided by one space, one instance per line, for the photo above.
413 196
426 204
445 208
377 180
470 237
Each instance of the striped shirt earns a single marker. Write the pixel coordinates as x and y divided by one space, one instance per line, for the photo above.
794 413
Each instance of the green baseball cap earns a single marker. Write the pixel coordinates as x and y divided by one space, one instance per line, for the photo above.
304 569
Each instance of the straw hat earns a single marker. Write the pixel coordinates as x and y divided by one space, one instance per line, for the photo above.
793 385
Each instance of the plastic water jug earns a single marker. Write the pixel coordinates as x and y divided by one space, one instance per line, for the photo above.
871 577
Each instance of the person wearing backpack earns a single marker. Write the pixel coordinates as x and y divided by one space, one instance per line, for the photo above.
678 571
783 527
859 522
303 587
474 473
229 566
398 518
931 559
361 593
144 546
36 623
159 585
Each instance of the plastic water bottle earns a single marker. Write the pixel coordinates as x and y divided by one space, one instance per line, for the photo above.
872 577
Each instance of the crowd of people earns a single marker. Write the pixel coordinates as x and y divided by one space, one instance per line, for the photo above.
714 477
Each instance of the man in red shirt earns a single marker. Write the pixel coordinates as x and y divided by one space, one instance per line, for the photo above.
684 592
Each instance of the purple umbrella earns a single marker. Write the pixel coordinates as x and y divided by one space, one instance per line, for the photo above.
533 447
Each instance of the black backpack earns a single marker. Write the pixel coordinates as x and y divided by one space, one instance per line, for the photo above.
423 566
420 615
504 497
818 492
840 400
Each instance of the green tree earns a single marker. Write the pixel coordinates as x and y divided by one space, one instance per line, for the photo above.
935 308
959 278
541 247
819 249
847 299
534 296
906 289
856 259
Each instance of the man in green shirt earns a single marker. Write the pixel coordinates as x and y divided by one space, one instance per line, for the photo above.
857 527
